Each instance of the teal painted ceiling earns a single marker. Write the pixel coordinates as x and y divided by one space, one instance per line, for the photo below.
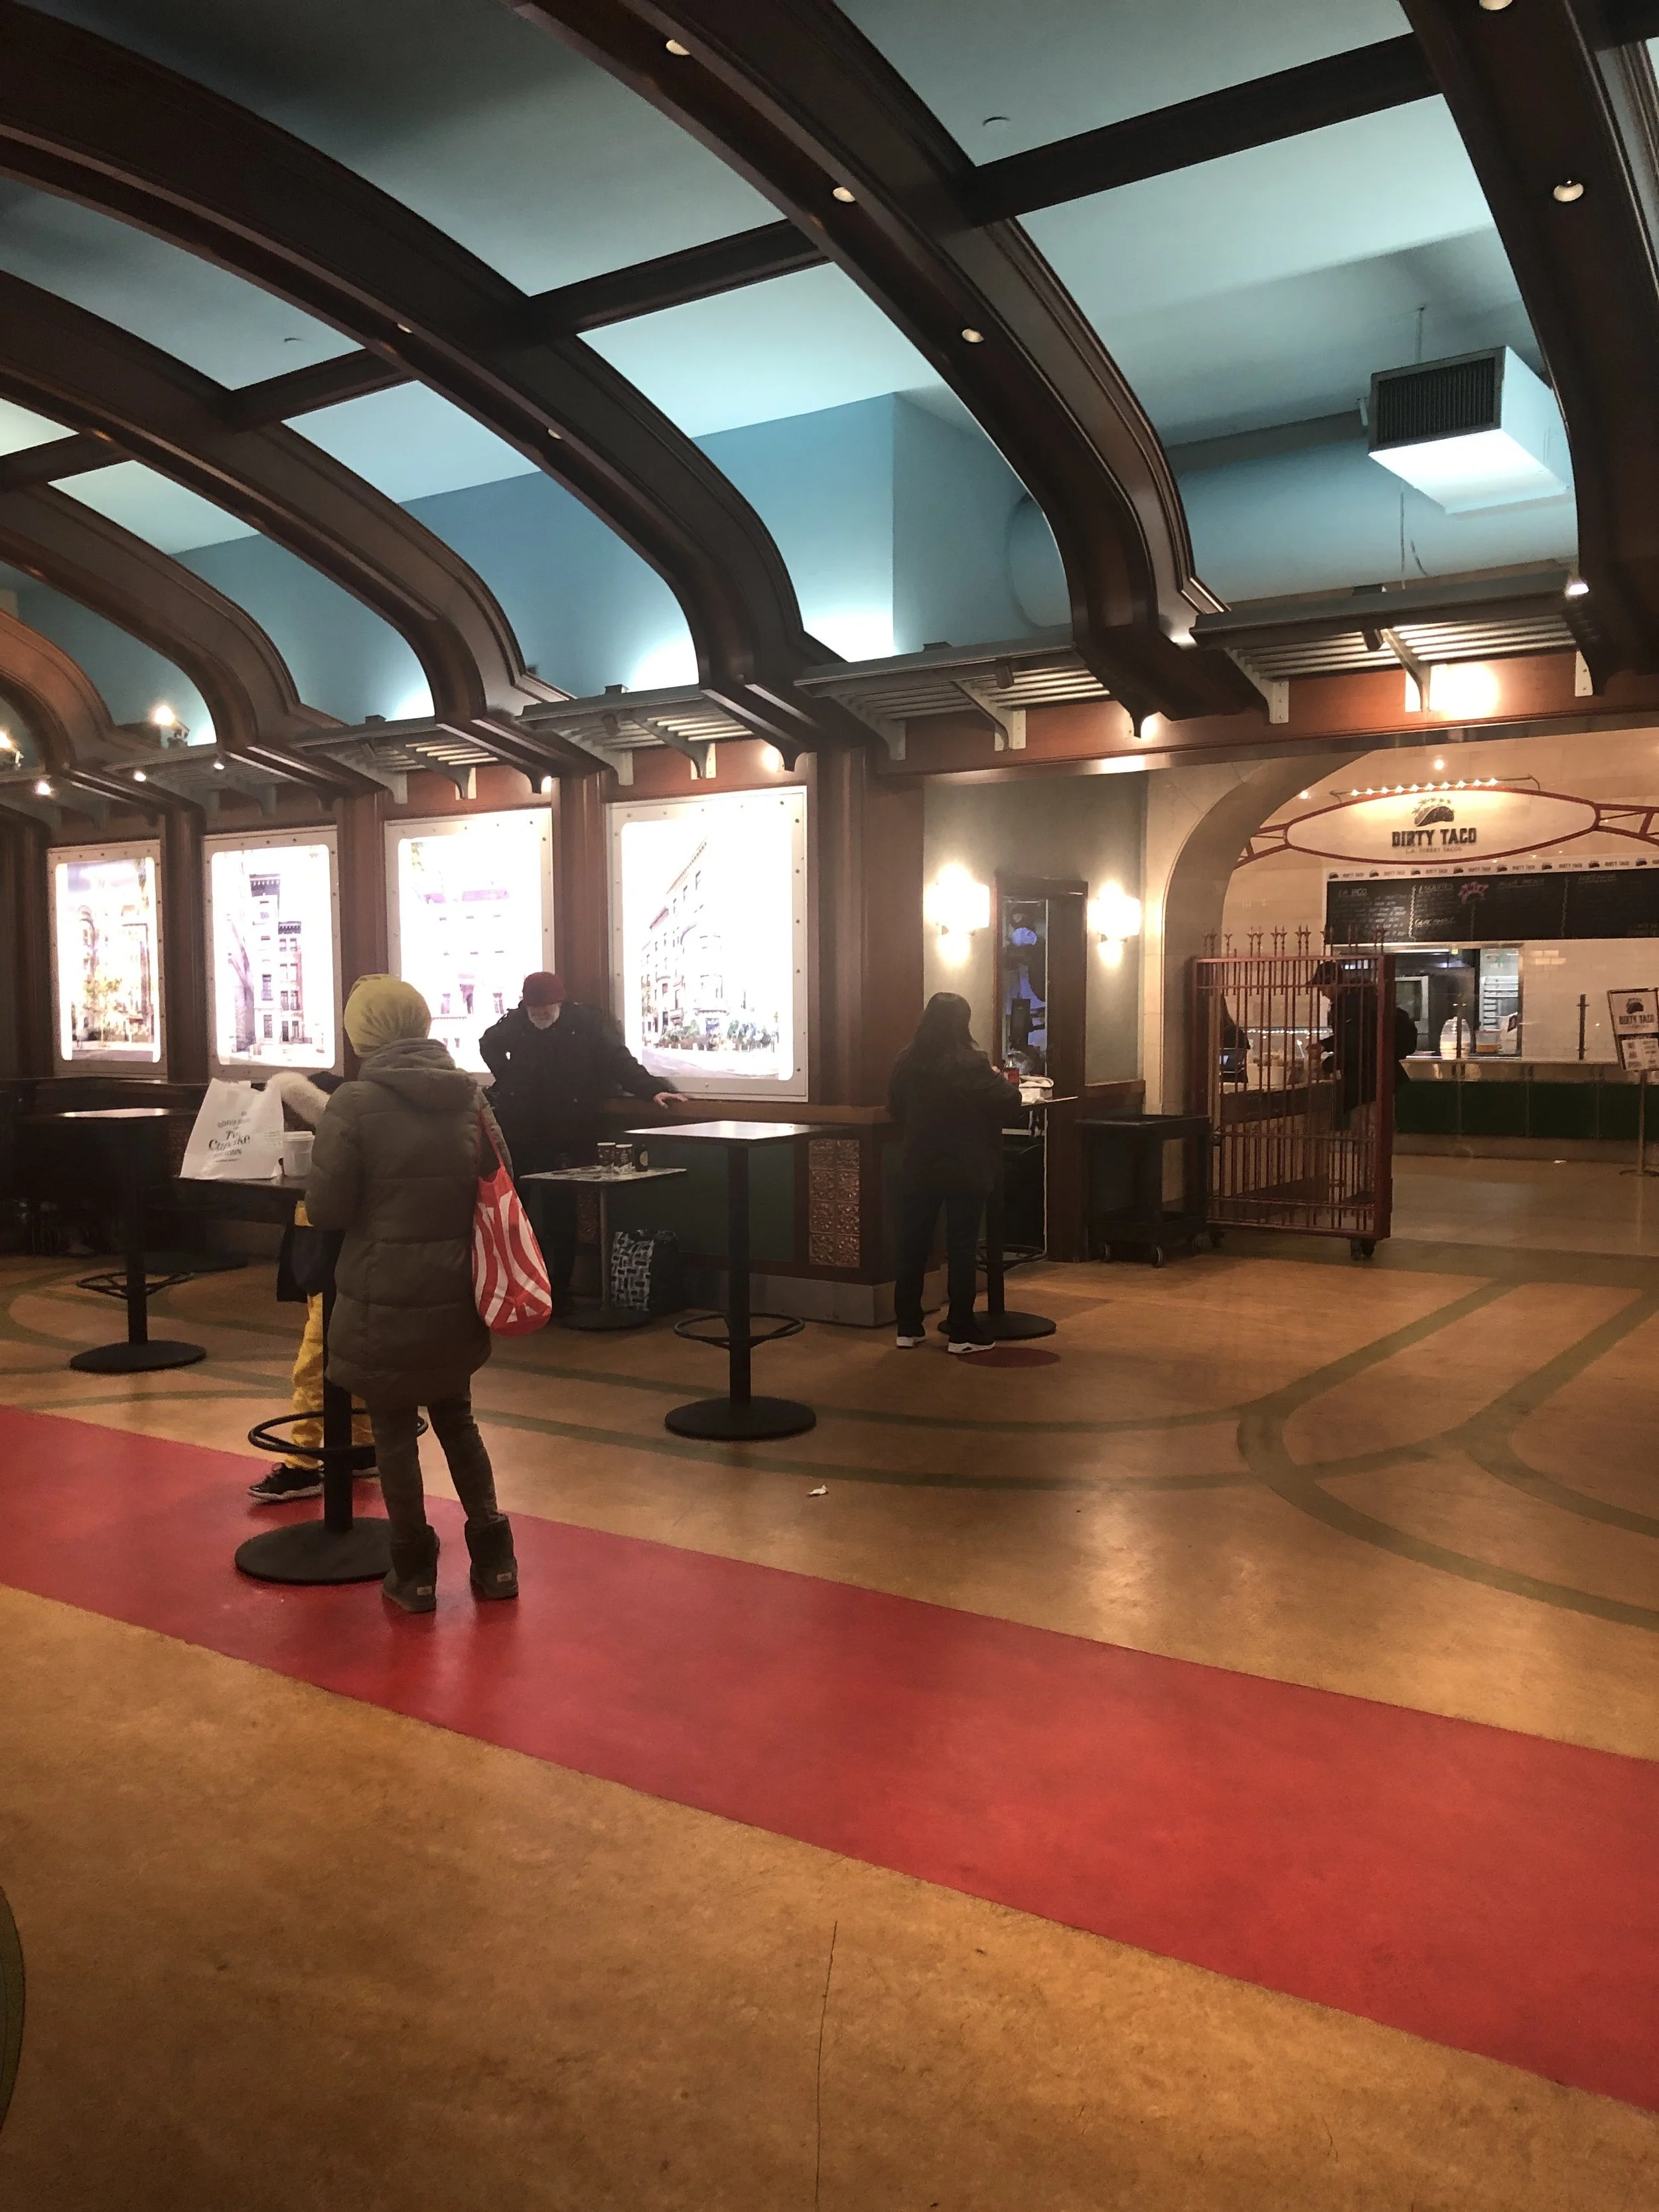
1258 291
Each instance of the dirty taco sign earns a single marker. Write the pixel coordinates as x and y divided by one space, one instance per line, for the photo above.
1433 822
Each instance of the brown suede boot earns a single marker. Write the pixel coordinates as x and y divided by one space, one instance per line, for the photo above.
495 1570
413 1581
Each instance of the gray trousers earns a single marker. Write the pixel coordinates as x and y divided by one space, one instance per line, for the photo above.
397 1456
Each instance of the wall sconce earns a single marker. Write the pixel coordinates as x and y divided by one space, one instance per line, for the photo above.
955 906
1114 916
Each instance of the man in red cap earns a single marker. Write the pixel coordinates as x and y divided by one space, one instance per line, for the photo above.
555 1065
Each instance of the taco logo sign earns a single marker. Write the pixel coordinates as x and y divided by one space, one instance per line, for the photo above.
1431 824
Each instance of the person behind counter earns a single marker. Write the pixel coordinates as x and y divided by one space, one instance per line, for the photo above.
395 1166
556 1064
952 1104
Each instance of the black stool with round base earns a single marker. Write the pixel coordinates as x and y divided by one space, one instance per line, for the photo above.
739 1417
141 1353
342 1547
996 1320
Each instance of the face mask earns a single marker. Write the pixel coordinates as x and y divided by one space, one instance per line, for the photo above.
543 1017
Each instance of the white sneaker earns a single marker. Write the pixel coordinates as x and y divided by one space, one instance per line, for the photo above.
909 1343
961 1345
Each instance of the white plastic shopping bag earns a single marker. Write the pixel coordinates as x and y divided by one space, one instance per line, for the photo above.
238 1136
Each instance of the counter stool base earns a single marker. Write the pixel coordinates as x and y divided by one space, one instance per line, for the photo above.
1010 1327
137 1358
725 1420
603 1317
310 1552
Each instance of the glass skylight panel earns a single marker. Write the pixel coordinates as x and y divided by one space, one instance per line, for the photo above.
229 330
20 429
538 161
793 346
1002 78
410 443
1268 286
165 514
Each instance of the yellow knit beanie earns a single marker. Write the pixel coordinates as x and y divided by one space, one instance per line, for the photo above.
385 1010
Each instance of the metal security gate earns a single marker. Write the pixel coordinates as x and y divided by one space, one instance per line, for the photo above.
1294 1062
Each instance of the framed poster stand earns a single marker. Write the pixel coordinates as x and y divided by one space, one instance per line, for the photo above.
1634 1018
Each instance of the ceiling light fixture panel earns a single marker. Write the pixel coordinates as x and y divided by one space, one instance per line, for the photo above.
1473 431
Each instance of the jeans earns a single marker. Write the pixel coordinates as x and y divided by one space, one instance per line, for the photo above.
917 1218
398 1461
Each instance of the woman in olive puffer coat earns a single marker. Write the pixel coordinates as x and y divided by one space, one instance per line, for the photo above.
395 1166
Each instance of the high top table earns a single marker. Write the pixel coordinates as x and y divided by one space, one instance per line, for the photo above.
129 1128
739 1417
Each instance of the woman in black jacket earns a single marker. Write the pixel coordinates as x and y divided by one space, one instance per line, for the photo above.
952 1104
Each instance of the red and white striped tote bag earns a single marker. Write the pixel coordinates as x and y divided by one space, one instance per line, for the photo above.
510 1275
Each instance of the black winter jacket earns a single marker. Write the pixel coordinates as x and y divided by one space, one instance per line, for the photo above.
952 1119
551 1084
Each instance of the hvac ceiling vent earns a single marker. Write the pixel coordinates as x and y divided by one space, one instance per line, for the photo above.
1476 431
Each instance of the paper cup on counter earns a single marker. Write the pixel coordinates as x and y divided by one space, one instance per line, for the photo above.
296 1153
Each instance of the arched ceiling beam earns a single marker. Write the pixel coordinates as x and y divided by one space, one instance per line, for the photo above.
59 359
232 663
101 124
55 698
1540 112
803 106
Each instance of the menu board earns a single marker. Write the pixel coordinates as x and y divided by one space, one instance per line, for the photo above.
106 956
274 972
1496 908
709 940
1633 1017
470 916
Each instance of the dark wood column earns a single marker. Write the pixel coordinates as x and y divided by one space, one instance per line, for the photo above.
184 942
867 841
581 867
25 931
361 821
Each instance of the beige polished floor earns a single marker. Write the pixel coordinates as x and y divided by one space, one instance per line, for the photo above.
286 1950
1552 1206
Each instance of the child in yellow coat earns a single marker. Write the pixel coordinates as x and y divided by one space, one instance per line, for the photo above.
304 1098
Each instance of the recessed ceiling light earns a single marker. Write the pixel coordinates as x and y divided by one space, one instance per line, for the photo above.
218 767
1568 191
138 776
841 193
407 332
552 433
43 789
677 49
973 337
1494 7
1577 587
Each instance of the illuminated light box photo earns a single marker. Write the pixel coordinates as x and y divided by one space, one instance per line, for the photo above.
272 949
106 955
709 940
470 916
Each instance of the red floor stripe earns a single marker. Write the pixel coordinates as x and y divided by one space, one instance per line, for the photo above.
1489 1891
